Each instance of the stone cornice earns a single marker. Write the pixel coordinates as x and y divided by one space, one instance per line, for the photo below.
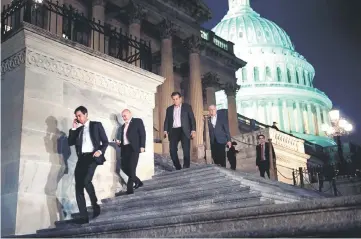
53 60
220 55
136 13
210 79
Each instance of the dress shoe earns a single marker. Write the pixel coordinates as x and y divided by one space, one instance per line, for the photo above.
138 185
96 210
123 193
81 220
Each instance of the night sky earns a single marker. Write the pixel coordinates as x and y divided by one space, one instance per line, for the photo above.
328 34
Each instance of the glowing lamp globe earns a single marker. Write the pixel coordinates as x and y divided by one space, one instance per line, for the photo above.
348 127
334 115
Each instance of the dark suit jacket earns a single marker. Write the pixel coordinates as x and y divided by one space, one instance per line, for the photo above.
97 135
188 121
135 134
220 133
258 153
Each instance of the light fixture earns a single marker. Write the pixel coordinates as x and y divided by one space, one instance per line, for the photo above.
334 115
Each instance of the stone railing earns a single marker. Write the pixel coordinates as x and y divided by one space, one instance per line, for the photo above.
278 138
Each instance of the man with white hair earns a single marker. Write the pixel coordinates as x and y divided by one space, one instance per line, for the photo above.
219 135
132 142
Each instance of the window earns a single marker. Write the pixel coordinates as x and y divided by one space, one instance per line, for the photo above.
279 74
289 78
297 77
268 74
256 74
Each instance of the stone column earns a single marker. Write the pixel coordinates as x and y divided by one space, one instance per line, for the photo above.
269 112
231 91
207 141
210 82
280 114
311 125
286 121
326 119
292 116
136 15
196 97
300 127
319 122
166 70
98 13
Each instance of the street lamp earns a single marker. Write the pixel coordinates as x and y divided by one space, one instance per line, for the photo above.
339 127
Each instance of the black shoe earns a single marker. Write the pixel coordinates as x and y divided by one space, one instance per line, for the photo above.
123 193
81 220
96 210
138 185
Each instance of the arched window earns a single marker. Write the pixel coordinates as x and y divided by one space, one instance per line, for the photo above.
256 74
268 74
289 75
297 77
310 78
305 78
279 74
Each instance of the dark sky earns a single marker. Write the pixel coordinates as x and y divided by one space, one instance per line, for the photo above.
328 34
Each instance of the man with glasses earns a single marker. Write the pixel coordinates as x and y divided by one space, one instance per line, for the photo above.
262 156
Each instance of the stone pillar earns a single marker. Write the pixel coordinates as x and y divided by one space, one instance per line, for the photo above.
318 119
269 112
231 91
196 97
207 140
98 13
136 16
273 164
166 70
286 119
56 20
210 82
311 125
300 127
292 116
326 119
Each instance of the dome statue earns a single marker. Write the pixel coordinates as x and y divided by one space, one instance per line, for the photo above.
276 85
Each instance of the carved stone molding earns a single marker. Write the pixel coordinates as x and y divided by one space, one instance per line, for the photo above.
13 62
210 79
231 89
136 13
193 43
78 75
167 29
99 3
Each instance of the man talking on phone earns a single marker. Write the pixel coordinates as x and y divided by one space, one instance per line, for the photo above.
90 143
179 125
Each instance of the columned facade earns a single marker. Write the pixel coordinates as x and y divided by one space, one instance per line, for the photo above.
166 70
196 96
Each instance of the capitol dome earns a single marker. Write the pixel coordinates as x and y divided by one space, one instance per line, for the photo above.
276 85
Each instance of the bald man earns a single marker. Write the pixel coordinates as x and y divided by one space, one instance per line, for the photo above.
219 135
132 142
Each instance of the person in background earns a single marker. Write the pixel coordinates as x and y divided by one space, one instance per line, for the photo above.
231 155
263 156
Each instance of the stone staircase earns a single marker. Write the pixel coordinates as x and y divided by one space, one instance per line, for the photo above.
209 201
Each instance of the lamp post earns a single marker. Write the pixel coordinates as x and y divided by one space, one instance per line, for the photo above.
339 127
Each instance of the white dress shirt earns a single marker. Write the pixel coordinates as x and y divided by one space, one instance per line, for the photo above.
214 120
87 146
177 116
126 126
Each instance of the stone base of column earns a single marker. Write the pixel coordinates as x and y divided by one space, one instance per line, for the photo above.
198 153
165 146
209 159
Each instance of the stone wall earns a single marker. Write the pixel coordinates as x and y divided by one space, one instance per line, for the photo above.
44 78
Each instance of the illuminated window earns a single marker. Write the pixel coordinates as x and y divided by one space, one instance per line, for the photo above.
279 74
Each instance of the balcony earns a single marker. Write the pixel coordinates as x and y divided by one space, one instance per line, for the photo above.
211 37
64 20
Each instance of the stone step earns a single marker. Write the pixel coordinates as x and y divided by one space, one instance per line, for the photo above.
181 189
198 175
236 201
194 199
181 196
321 212
188 171
182 181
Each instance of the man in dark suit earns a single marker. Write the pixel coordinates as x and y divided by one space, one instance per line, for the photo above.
179 125
132 142
219 135
263 155
90 143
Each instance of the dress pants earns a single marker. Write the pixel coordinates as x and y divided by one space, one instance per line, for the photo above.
218 152
263 167
84 172
177 135
129 166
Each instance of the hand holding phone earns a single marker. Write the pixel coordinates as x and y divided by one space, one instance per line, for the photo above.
75 123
